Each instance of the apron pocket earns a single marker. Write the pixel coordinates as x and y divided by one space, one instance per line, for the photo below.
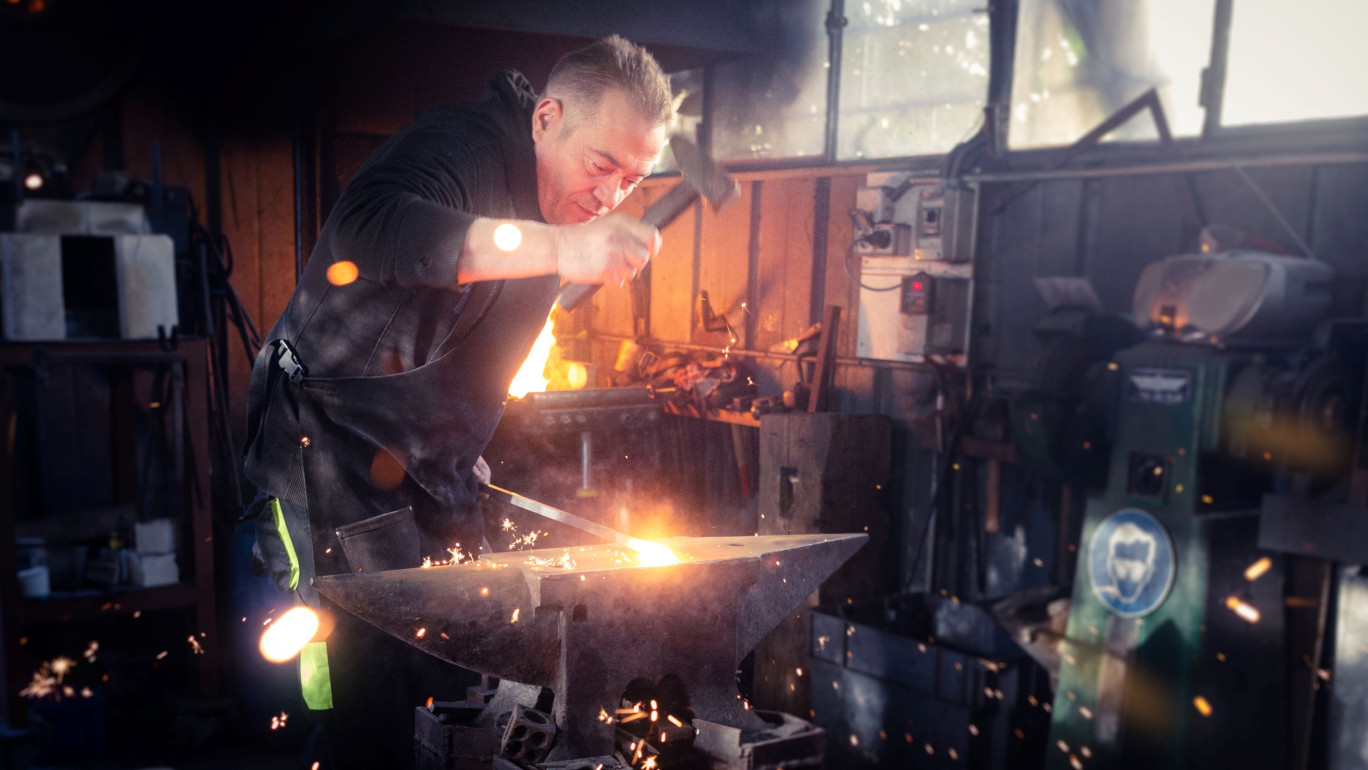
384 542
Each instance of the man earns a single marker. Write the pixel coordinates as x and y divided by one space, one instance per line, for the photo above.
386 375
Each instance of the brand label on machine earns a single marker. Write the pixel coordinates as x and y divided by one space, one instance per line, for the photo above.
1159 386
1131 563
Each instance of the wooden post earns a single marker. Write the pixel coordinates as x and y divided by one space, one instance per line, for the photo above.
826 362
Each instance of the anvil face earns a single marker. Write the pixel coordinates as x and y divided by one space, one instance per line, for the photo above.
588 626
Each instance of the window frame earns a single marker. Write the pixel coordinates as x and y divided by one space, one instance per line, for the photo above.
1326 134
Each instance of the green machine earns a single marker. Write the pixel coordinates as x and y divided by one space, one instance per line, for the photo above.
1175 653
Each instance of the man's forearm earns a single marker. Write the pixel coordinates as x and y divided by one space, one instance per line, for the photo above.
496 249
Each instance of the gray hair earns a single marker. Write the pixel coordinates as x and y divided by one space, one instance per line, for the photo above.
581 77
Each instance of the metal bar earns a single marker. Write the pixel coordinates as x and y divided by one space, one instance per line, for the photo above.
586 461
556 514
753 266
821 211
1301 159
835 27
1212 93
871 363
1146 101
1277 215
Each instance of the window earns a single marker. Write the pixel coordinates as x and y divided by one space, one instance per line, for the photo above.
1079 61
773 105
1295 61
687 88
914 76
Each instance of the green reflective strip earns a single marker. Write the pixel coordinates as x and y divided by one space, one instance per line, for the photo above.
289 544
314 678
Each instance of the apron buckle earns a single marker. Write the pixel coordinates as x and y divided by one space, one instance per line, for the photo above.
288 360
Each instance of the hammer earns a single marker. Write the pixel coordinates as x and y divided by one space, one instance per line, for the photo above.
702 179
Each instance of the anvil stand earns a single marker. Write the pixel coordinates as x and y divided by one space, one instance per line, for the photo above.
588 631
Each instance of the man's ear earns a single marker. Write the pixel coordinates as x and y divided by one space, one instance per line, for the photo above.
545 116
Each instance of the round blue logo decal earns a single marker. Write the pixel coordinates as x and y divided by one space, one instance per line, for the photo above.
1131 563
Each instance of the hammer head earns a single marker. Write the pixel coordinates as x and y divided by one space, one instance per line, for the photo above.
702 175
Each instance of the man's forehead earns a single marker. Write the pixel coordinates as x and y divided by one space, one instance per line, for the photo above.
619 133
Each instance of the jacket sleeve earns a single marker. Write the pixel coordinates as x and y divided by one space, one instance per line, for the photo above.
404 217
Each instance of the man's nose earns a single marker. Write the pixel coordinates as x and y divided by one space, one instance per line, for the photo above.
609 194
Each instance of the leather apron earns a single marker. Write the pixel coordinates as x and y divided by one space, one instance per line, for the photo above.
377 445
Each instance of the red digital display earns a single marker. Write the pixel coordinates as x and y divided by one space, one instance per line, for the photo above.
916 286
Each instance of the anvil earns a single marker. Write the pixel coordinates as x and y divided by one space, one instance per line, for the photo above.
587 621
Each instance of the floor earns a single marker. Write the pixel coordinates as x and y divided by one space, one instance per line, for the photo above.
160 750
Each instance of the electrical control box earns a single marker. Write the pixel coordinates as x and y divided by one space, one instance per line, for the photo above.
914 244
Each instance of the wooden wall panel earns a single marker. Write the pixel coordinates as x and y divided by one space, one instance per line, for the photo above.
276 234
242 226
611 312
723 266
840 290
672 274
784 274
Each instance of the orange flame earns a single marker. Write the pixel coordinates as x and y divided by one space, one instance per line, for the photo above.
530 376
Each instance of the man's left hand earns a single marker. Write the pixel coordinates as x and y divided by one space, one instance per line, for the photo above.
482 472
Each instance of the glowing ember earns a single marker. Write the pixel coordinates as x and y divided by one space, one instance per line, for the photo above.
288 635
278 722
516 610
1258 568
422 632
61 667
1242 609
195 648
529 377
1202 706
652 554
674 721
90 652
561 562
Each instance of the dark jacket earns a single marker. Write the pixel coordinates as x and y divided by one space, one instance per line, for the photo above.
407 371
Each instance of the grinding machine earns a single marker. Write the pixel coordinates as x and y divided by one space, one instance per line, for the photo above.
1180 651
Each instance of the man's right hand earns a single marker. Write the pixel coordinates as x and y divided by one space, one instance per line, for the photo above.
610 250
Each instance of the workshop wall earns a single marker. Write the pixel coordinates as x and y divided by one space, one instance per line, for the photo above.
779 249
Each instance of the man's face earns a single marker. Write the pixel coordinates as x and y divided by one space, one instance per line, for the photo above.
584 170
